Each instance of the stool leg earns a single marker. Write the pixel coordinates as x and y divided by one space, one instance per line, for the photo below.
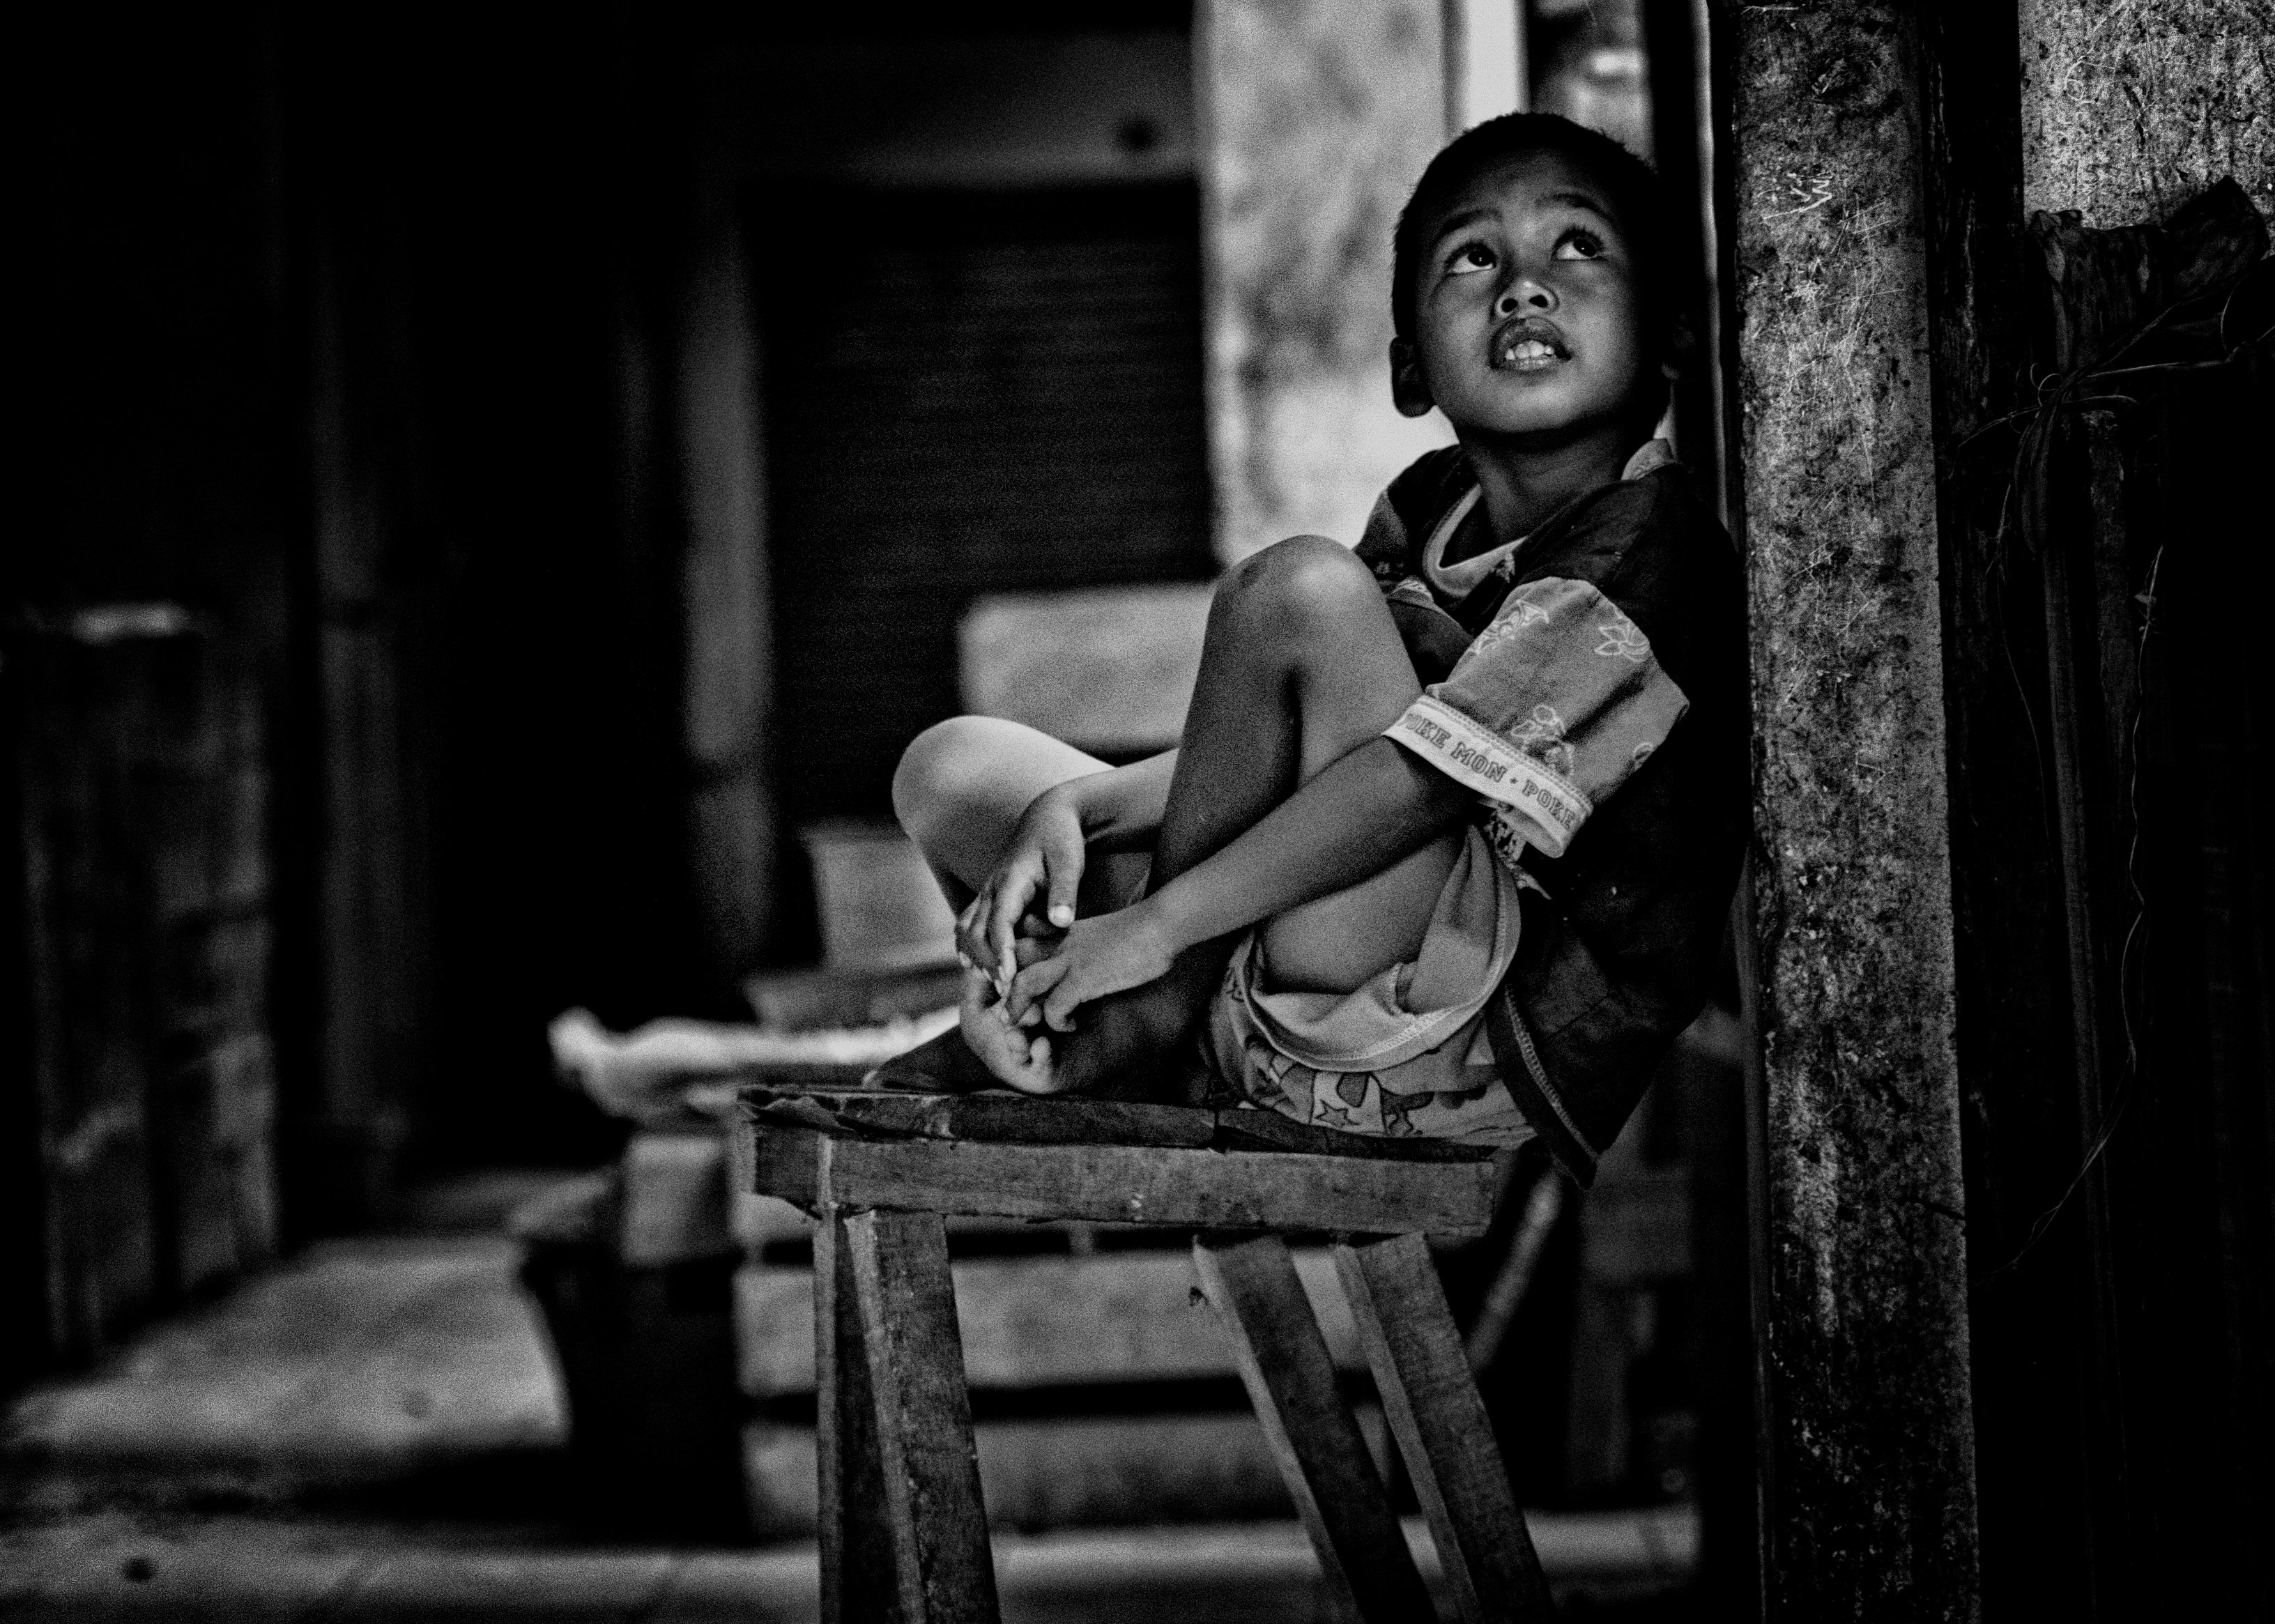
1440 1422
1291 1381
940 1568
855 1538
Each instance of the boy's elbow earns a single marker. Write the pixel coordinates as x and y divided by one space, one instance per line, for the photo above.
1433 801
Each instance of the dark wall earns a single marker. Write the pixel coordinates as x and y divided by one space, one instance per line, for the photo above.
332 325
356 332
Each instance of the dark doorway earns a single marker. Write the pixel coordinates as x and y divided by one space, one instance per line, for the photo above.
966 394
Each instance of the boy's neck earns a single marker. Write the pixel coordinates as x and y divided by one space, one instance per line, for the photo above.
1524 482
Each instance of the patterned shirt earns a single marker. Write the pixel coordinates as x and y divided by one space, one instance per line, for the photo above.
1588 683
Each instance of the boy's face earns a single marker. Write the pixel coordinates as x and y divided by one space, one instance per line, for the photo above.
1527 319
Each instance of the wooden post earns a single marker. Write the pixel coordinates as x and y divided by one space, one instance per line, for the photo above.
2141 1316
1869 1434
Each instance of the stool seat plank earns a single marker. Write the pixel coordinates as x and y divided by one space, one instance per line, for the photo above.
1183 1186
1004 1117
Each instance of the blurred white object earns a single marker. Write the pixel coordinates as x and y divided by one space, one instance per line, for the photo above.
648 1071
879 904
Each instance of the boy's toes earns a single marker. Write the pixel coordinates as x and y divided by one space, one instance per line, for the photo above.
1012 1056
1036 1074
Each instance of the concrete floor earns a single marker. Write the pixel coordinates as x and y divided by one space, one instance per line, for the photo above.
373 1430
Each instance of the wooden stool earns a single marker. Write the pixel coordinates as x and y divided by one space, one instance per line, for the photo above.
903 1533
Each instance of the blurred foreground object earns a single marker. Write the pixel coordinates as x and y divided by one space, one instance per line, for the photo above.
658 1069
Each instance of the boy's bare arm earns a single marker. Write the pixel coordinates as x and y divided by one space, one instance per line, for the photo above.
1121 810
1349 823
1354 819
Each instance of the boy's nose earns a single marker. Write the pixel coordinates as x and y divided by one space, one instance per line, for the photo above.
1524 294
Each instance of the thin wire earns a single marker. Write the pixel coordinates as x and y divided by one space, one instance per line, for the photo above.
2046 1220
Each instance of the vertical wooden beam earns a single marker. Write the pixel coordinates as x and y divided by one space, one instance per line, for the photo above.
2125 113
1315 121
2029 1342
1290 1378
1869 1430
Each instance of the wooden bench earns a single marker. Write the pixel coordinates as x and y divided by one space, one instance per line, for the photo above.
903 1531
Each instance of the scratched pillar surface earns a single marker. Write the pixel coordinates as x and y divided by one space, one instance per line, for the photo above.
1315 117
2130 107
1870 1465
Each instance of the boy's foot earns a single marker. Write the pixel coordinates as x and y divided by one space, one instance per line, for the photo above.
1131 1046
984 1051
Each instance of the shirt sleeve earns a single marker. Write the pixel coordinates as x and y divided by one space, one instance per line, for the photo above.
1552 707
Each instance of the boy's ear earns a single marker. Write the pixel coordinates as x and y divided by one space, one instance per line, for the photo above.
1407 386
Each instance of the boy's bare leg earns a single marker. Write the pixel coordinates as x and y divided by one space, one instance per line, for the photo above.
959 792
961 788
1302 665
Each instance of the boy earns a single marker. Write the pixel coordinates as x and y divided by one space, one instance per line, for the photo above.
1448 843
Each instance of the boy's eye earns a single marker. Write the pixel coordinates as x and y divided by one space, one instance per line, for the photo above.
1467 258
1579 244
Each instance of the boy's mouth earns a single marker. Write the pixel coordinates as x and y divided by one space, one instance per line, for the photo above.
1528 343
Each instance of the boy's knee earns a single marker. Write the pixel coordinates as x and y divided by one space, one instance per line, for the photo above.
1306 580
929 770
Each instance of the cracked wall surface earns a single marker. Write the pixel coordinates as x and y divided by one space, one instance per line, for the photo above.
2131 106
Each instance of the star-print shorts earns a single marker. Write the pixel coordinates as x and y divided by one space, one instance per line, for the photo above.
1407 1055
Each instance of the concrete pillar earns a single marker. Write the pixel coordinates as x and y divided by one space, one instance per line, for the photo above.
2128 108
729 617
1869 1462
1316 116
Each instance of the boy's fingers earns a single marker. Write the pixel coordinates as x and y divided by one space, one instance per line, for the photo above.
1004 921
1065 879
970 931
1029 985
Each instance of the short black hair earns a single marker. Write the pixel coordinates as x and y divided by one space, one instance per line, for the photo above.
1636 195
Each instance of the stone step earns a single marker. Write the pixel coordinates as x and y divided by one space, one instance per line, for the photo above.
1072 1471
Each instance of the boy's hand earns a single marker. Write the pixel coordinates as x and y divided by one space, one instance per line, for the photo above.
1044 855
1109 953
